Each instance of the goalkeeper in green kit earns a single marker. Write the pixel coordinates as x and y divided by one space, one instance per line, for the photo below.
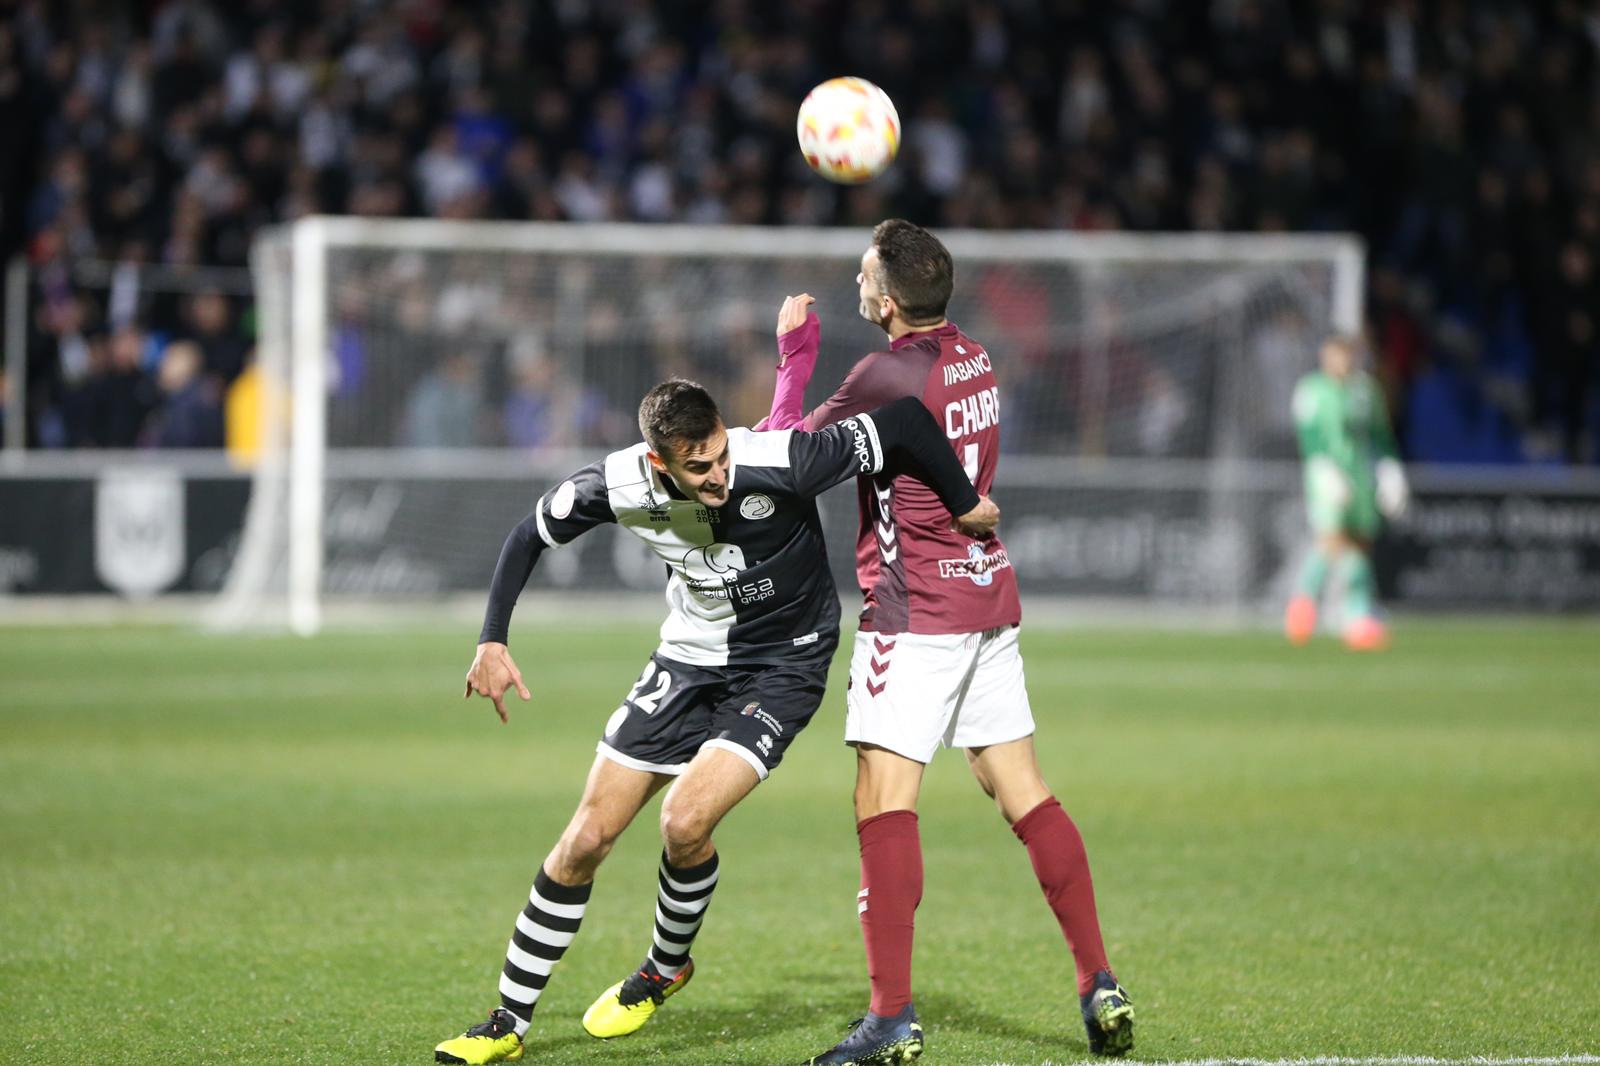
1352 476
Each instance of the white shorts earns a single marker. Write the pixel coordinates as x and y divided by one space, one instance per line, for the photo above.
913 692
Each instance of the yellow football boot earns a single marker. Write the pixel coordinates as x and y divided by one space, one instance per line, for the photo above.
627 1005
495 1040
1108 1016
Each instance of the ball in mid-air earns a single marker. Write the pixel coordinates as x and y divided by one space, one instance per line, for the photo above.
848 129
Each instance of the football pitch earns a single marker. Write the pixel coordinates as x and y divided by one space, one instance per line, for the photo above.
268 850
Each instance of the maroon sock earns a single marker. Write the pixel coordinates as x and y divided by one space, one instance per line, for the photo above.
1055 847
891 888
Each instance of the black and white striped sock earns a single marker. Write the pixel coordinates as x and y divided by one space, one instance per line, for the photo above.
682 896
544 929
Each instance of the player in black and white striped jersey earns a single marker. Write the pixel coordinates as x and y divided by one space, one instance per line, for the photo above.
740 670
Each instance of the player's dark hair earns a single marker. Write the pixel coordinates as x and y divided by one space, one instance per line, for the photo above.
918 272
676 411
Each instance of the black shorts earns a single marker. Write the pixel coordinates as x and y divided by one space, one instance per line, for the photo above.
675 709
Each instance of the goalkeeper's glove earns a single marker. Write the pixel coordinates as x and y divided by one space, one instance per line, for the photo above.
1394 495
1329 482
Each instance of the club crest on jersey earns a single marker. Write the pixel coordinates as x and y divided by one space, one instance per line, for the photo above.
756 506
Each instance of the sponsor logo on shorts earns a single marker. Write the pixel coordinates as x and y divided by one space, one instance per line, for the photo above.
809 638
753 710
756 506
977 566
877 682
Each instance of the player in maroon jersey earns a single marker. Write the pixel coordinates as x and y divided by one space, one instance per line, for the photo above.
935 662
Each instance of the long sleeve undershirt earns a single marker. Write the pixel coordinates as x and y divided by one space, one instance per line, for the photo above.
521 550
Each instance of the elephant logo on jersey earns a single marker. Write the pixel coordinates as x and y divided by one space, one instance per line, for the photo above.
714 567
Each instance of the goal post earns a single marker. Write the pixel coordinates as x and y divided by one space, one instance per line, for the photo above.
440 374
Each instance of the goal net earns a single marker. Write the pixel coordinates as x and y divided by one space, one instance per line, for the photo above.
433 378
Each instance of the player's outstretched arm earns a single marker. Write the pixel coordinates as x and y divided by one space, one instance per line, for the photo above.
861 443
907 427
493 672
578 504
796 312
799 337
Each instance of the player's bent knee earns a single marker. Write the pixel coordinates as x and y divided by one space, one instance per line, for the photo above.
587 841
684 830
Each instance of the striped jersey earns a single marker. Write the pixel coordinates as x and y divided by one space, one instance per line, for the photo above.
748 582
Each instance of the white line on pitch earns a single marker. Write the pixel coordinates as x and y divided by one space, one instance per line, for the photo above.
1390 1060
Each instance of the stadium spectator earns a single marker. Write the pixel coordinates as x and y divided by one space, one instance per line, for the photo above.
444 408
222 348
110 405
1458 138
1571 347
190 415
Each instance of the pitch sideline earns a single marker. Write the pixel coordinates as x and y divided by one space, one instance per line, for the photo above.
1380 1060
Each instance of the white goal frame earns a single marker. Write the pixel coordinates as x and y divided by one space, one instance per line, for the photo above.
294 340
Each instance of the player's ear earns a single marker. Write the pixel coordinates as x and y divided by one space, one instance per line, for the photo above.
656 461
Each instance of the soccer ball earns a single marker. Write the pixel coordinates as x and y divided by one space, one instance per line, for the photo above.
848 130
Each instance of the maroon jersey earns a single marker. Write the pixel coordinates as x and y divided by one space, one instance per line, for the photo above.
918 575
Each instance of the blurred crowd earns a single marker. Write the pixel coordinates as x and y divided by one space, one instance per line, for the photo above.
1461 138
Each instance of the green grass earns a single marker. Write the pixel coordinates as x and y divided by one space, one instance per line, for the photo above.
250 850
